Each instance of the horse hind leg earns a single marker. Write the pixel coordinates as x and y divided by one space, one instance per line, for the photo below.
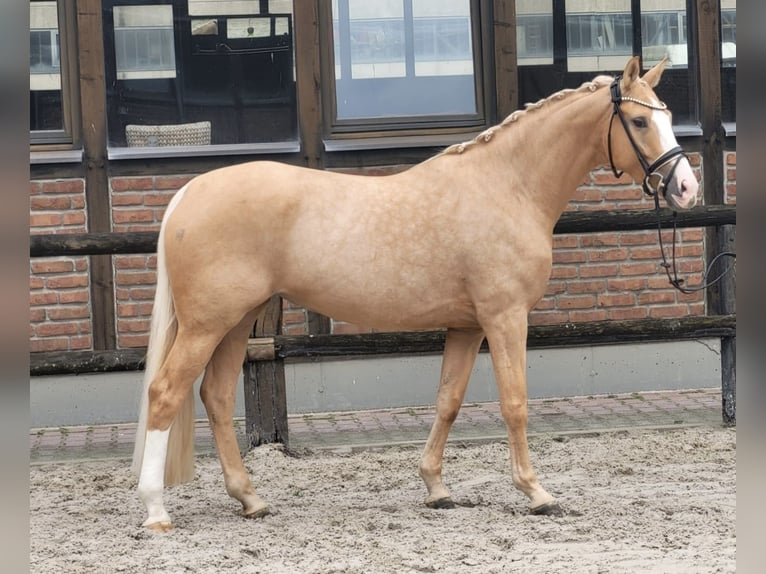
218 395
460 350
185 361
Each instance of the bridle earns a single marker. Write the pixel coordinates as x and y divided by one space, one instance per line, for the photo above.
652 171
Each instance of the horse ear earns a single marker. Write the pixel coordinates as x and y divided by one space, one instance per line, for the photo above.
630 74
652 77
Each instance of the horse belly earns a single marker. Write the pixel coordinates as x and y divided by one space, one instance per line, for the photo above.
387 298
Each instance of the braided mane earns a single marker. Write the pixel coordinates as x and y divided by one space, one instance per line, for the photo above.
486 135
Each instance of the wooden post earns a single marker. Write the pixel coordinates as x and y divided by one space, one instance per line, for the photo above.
265 396
93 102
307 78
720 297
506 66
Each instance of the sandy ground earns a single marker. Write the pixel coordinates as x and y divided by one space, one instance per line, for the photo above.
645 501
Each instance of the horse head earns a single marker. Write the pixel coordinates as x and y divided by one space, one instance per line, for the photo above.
642 142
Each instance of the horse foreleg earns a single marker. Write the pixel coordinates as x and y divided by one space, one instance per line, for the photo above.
167 391
460 352
508 347
218 395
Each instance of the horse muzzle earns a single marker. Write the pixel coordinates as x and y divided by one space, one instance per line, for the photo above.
682 193
675 180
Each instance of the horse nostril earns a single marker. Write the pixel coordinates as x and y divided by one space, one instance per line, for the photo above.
690 187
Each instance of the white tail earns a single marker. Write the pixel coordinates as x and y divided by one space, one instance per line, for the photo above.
179 465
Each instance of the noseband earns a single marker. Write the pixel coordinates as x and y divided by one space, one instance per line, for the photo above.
650 170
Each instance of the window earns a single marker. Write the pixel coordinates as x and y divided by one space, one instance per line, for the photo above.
729 61
44 54
665 34
53 77
411 61
143 42
598 40
534 32
46 103
184 73
562 44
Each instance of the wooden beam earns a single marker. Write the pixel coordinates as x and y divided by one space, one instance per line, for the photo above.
265 394
261 349
268 348
540 336
307 78
720 238
598 221
77 362
94 138
93 244
506 66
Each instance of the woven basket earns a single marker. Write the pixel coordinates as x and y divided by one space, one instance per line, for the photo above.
168 135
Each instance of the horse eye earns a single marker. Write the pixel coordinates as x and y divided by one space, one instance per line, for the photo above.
639 122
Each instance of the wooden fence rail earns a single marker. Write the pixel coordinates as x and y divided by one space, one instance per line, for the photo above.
538 337
403 343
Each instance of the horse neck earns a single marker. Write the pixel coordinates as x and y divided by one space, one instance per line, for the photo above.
547 152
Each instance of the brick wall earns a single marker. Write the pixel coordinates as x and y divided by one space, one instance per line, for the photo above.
617 275
138 204
731 177
604 276
59 296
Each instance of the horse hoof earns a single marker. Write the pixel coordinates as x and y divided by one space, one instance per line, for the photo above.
547 509
161 527
440 503
257 513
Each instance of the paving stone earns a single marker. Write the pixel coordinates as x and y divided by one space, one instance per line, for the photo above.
353 430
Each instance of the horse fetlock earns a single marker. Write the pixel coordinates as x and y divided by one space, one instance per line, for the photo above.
240 489
430 472
526 482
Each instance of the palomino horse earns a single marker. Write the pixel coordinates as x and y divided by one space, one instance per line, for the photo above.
462 241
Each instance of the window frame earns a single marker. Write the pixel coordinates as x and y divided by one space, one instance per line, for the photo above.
289 145
542 79
728 74
406 131
68 137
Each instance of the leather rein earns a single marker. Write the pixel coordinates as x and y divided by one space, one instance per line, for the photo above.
651 172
